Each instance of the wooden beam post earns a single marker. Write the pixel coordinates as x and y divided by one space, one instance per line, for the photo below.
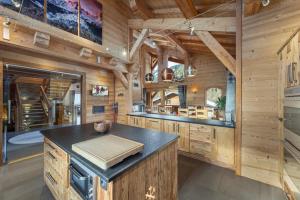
119 75
219 51
138 43
187 8
172 38
238 75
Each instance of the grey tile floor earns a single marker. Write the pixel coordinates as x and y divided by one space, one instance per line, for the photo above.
201 181
197 181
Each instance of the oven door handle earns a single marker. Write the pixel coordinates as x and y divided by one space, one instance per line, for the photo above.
77 173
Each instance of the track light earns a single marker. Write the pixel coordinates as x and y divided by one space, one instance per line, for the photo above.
265 2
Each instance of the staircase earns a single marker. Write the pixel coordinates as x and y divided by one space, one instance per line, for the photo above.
57 89
31 112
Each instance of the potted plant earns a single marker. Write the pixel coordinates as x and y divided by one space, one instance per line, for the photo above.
221 103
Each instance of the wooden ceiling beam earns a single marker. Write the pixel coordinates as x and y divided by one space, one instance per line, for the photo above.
187 8
251 7
230 7
172 38
220 52
140 8
138 43
147 40
223 24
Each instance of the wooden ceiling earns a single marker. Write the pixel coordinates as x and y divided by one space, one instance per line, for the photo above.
192 44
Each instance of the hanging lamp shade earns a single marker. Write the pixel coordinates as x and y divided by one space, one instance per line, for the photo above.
149 77
167 74
190 72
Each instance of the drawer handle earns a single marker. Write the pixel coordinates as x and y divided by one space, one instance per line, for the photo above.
214 131
51 147
51 156
51 179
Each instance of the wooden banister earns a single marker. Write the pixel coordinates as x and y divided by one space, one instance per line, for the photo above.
44 97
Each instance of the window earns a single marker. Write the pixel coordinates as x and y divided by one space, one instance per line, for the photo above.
212 95
178 69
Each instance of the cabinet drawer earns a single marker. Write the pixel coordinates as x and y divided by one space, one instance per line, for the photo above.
55 150
202 148
201 128
73 195
54 182
154 124
208 137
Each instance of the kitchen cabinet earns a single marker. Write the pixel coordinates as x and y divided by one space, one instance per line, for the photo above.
136 121
225 145
203 140
56 173
73 195
154 124
183 130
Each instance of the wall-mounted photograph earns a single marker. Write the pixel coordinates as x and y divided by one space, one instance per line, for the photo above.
63 14
91 20
33 9
100 90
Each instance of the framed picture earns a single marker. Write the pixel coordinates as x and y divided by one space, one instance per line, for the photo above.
100 90
33 9
91 20
63 14
11 4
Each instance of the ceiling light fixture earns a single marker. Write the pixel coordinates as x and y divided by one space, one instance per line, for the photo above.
124 52
192 30
265 2
190 72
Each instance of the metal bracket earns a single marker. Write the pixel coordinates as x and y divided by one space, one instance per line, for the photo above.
103 184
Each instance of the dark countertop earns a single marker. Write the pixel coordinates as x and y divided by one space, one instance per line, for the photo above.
153 141
209 122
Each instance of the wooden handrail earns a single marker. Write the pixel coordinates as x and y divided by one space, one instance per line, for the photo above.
44 97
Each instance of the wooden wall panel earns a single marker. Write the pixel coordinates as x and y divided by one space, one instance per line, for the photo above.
263 35
210 73
1 110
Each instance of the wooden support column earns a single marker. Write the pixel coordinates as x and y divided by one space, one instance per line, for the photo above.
238 126
1 111
138 43
130 93
219 51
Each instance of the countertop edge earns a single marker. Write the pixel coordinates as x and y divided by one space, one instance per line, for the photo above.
184 119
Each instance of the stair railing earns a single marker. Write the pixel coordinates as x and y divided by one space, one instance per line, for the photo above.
46 104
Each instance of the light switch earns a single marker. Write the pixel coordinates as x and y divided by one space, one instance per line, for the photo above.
6 33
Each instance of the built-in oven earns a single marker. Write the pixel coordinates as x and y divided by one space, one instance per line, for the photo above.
292 139
83 180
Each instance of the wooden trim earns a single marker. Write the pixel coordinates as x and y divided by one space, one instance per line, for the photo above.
1 111
220 52
223 24
238 129
83 99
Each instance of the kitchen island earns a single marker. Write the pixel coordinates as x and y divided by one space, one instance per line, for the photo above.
150 174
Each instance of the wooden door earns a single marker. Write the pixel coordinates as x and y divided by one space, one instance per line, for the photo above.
170 127
183 130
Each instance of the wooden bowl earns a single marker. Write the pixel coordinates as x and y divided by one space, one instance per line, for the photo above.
102 126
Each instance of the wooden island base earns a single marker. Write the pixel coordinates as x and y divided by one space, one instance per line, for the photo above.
155 178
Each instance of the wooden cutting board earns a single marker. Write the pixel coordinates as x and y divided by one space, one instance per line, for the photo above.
108 150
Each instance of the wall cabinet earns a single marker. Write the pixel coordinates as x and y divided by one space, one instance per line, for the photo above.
136 121
56 172
183 130
154 124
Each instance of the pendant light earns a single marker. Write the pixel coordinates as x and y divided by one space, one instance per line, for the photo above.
190 72
167 75
149 77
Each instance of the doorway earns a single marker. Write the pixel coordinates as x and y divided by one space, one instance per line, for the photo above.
34 100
